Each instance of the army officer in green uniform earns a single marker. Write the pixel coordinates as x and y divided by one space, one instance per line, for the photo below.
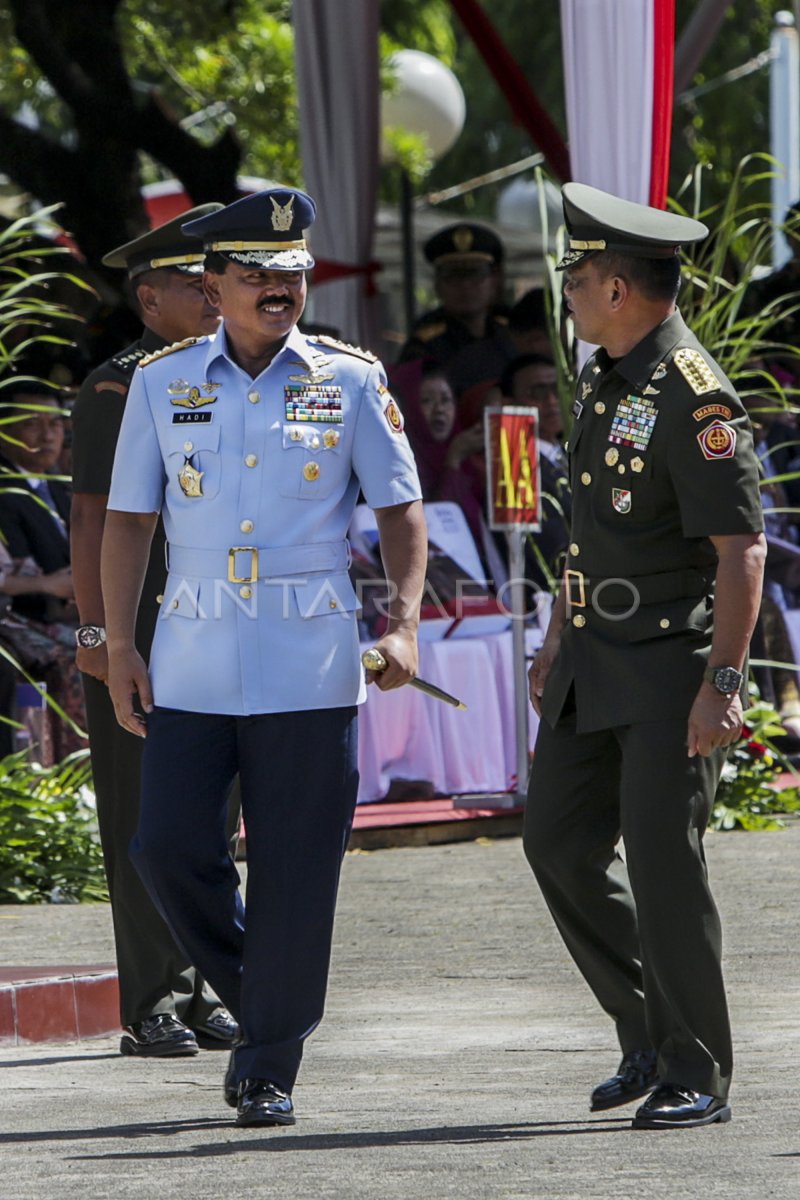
639 680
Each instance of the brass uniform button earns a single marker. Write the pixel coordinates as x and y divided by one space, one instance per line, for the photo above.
311 471
188 446
175 603
245 592
586 478
621 468
253 397
159 599
599 408
664 622
332 604
251 460
246 526
579 621
574 549
612 456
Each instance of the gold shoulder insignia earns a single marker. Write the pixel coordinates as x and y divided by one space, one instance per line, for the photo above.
696 371
426 333
335 344
165 350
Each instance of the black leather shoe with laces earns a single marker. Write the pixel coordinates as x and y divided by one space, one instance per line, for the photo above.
673 1107
162 1036
263 1103
635 1078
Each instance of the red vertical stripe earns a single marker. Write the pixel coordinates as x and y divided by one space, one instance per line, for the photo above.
522 99
663 78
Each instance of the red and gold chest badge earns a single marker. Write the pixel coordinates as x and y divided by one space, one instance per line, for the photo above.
717 440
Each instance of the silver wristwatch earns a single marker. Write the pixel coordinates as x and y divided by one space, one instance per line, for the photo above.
90 636
726 680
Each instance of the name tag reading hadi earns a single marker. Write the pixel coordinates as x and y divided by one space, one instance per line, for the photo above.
512 461
313 402
192 418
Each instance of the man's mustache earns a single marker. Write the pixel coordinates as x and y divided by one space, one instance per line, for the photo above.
284 298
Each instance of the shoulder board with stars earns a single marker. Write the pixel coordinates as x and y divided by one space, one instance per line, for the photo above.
345 347
157 354
696 371
127 361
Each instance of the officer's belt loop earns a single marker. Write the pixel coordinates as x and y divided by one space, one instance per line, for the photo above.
575 579
265 562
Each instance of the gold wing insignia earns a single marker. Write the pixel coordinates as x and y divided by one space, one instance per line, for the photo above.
696 371
154 357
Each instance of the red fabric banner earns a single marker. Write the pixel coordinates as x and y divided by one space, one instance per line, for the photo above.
512 462
663 83
522 99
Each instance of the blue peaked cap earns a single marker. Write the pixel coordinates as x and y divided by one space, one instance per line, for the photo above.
264 230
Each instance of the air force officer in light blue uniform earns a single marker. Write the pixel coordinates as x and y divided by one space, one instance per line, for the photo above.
254 445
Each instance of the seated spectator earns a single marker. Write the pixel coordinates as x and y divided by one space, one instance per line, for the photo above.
532 380
34 509
449 459
46 652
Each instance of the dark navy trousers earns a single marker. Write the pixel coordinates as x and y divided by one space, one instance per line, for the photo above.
299 777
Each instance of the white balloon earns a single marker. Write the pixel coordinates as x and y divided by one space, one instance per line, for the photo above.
426 99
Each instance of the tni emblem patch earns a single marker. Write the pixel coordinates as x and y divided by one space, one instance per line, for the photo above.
717 440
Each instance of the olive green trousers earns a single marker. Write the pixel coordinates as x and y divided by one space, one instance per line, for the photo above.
644 932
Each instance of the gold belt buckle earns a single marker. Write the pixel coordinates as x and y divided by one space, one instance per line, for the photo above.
232 576
578 578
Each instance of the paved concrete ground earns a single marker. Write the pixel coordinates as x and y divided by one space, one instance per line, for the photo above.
455 1060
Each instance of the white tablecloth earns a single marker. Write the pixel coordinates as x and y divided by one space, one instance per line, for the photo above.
405 735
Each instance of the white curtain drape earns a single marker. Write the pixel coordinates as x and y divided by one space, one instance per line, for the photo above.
608 73
336 54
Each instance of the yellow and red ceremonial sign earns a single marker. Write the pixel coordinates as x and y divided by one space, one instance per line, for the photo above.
512 467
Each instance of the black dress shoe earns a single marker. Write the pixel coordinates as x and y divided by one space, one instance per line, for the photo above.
672 1107
263 1103
219 1032
162 1036
635 1078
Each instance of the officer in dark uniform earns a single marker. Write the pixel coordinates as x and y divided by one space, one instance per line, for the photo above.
467 260
638 681
165 1006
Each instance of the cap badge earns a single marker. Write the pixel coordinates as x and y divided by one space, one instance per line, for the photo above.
463 239
282 215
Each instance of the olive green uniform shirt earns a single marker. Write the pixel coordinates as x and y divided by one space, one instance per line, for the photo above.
661 459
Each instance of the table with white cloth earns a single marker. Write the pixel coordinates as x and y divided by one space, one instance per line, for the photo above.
405 735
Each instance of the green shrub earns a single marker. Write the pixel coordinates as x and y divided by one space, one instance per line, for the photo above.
49 847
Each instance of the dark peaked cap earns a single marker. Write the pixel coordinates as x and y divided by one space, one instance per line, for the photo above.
265 230
596 221
465 242
164 247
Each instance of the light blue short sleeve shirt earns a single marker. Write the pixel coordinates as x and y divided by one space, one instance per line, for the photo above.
275 465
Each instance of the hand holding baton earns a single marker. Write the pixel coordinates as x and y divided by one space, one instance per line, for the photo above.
373 660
